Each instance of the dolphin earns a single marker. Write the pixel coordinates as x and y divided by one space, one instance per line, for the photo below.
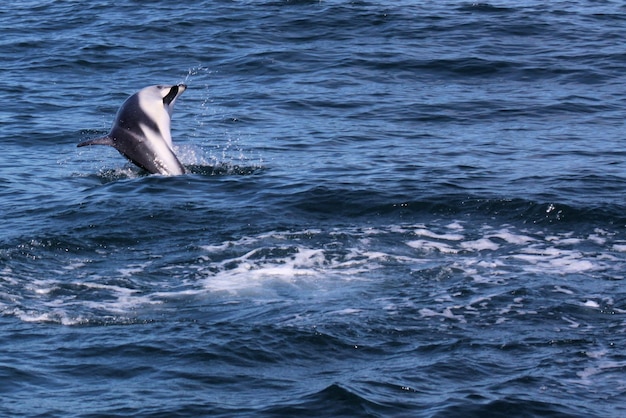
141 131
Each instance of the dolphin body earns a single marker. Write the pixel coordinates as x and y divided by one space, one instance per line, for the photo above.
141 131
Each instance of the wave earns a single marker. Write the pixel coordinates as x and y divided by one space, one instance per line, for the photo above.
509 406
341 401
110 175
340 203
334 400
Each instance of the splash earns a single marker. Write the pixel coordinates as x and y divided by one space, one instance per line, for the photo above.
209 152
195 71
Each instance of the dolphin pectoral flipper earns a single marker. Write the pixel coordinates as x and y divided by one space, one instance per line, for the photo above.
103 140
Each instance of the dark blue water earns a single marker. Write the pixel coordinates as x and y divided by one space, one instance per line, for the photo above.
393 209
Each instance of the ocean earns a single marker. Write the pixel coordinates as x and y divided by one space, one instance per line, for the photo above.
392 209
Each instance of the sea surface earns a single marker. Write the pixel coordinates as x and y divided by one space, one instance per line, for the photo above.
393 209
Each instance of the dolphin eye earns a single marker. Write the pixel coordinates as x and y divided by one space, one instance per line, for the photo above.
170 96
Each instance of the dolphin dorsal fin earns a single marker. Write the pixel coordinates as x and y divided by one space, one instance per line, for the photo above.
103 140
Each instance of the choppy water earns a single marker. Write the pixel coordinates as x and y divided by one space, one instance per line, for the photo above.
393 209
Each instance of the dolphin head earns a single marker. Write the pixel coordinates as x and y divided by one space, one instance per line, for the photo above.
159 98
157 105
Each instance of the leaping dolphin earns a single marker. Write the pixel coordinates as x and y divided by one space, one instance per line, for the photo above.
141 131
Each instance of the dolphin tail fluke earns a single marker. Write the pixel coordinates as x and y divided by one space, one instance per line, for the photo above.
103 140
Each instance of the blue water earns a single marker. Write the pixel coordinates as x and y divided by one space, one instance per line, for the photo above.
393 209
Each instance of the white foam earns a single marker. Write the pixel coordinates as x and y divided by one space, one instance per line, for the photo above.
445 313
591 304
602 366
432 246
563 290
276 264
430 234
482 244
347 311
620 247
597 354
216 248
55 316
572 323
572 264
552 259
250 271
597 239
512 238
490 264
457 226
132 270
244 241
74 265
